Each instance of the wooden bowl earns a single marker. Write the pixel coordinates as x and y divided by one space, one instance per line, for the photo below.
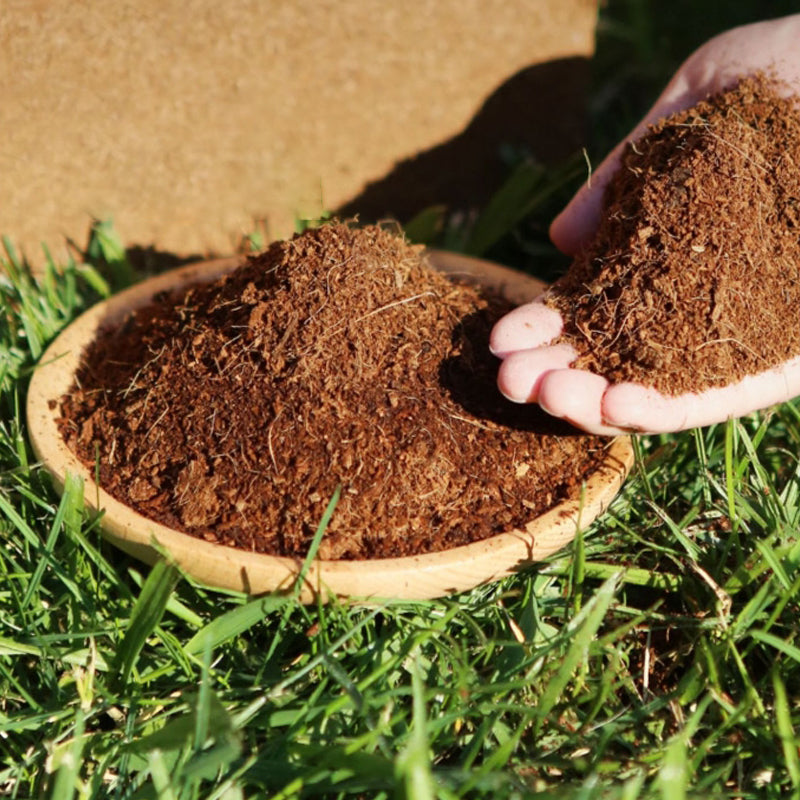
413 577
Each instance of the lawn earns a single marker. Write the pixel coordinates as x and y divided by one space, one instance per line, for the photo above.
656 657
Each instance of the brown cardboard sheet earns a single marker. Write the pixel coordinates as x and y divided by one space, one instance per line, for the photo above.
188 123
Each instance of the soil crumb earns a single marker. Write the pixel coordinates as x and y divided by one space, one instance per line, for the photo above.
337 358
693 278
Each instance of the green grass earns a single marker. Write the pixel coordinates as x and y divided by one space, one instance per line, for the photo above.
657 657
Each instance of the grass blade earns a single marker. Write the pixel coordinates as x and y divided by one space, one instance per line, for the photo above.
233 623
69 766
146 615
413 767
783 719
779 644
583 627
69 508
316 541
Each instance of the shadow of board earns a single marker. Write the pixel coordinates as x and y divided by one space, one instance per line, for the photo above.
541 110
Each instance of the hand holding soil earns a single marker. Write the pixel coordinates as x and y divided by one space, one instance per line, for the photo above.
680 308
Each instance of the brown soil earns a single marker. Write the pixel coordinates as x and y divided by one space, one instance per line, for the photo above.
693 279
339 357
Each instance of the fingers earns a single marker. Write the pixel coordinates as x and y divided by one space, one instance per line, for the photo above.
542 375
593 404
576 396
530 325
521 373
533 372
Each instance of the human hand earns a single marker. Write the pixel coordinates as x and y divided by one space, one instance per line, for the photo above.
536 370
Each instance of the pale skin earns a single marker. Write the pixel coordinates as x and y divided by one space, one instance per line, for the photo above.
534 370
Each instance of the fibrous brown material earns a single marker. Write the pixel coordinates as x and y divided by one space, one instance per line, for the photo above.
693 278
340 357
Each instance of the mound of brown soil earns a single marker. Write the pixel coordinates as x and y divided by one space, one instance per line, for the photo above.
340 357
693 279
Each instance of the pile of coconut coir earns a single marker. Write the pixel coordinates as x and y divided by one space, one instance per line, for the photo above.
693 278
340 357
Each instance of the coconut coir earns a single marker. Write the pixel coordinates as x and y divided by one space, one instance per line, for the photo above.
233 410
693 278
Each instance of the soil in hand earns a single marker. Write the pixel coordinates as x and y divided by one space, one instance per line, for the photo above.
693 278
233 410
